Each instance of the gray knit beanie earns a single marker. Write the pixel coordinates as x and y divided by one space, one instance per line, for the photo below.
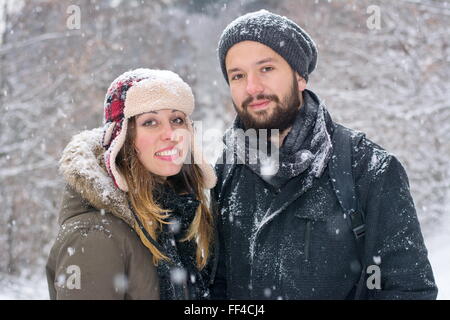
279 33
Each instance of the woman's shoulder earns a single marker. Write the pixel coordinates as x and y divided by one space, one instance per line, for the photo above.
88 183
78 215
101 251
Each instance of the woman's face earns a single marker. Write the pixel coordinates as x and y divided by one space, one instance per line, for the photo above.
162 141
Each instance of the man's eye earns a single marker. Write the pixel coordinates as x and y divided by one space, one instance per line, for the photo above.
237 76
266 69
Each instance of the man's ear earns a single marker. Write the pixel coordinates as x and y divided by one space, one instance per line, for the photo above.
301 82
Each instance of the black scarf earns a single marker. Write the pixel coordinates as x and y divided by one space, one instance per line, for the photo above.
179 278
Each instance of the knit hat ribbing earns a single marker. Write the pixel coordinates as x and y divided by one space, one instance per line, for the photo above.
279 33
140 91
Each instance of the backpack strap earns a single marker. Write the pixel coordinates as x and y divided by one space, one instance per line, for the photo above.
344 187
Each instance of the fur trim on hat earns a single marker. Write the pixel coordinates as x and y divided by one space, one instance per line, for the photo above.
84 170
158 94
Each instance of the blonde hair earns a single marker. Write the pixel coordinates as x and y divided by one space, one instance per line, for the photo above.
141 184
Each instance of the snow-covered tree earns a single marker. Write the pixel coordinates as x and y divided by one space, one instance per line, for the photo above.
386 75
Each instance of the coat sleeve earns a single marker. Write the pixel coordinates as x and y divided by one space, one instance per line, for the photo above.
394 240
88 264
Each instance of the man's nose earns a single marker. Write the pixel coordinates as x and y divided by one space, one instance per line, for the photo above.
254 85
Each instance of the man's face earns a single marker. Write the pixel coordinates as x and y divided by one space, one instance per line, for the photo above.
266 92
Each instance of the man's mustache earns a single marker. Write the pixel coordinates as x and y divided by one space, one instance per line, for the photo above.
261 96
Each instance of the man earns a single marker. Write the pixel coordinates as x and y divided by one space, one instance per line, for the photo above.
317 227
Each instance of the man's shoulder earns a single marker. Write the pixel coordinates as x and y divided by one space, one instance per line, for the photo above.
368 157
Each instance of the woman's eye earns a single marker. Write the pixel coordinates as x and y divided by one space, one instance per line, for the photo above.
178 121
149 123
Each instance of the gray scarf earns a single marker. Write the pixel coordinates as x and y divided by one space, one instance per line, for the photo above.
307 147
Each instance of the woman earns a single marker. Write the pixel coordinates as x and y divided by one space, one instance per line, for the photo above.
135 222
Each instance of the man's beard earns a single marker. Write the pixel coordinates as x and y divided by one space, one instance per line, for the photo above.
282 116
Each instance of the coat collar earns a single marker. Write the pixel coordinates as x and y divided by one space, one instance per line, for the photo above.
83 169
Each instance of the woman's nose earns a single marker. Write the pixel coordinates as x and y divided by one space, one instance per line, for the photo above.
167 133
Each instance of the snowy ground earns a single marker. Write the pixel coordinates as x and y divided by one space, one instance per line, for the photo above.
438 244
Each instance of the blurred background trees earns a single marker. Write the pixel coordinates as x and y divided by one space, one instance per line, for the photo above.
391 82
